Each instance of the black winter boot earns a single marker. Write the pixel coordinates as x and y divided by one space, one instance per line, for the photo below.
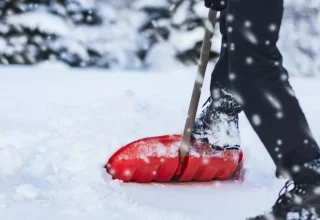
218 122
302 202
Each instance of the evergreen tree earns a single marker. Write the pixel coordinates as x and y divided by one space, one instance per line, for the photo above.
28 44
176 22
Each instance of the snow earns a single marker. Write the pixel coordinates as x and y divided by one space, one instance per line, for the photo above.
2 44
40 20
299 37
59 126
9 155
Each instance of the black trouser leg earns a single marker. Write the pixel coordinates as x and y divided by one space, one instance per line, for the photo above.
220 86
260 82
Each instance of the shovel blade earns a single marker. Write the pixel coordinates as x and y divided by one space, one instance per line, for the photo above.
157 159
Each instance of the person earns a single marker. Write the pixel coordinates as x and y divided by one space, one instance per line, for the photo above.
249 76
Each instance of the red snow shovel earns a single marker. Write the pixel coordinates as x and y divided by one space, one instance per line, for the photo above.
175 157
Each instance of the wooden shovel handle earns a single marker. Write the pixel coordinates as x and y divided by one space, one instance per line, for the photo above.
204 58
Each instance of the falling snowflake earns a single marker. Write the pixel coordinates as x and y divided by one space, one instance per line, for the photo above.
205 161
317 190
305 141
249 60
247 23
249 35
230 17
279 142
230 29
216 93
232 46
238 98
273 100
127 172
297 199
277 149
112 172
279 155
279 115
199 77
210 26
277 63
272 27
145 159
267 42
256 120
284 76
290 91
232 76
296 168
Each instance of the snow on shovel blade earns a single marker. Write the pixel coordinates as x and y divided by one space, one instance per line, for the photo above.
157 159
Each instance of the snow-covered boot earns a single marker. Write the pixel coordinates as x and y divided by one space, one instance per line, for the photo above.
302 201
220 128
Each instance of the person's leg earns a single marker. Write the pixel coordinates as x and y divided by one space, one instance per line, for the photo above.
223 99
261 85
218 122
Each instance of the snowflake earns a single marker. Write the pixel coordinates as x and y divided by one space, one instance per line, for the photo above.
317 190
305 141
247 23
284 76
272 27
279 115
290 91
277 149
216 93
276 104
232 76
210 26
232 46
251 37
249 60
267 42
127 172
205 161
296 168
279 142
230 17
199 77
256 120
112 172
230 29
89 18
238 98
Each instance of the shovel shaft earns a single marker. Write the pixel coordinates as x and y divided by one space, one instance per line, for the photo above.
202 66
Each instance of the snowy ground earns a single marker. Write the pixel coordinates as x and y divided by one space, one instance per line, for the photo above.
59 127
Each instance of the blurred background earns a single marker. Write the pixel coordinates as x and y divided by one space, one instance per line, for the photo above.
136 34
